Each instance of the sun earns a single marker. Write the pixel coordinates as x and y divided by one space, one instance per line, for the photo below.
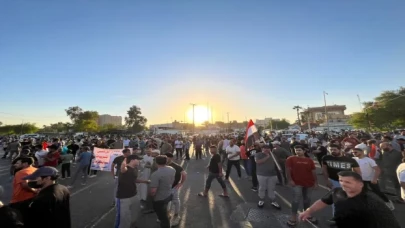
201 114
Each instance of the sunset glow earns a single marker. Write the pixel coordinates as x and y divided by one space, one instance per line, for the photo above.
201 114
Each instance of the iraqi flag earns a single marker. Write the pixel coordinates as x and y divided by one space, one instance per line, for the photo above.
252 135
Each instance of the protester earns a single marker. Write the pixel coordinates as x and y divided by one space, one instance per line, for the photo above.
51 207
354 207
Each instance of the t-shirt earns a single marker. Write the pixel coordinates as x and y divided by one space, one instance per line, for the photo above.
268 168
366 165
40 156
233 150
336 164
178 144
214 161
401 178
52 204
85 158
162 179
118 161
127 183
53 163
178 169
363 210
301 169
19 193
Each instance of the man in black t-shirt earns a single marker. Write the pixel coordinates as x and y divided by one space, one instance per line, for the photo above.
115 169
354 207
215 172
179 179
51 207
334 163
126 191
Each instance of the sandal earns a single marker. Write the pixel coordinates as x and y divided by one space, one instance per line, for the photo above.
202 194
291 222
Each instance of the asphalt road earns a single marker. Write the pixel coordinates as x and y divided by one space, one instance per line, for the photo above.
91 204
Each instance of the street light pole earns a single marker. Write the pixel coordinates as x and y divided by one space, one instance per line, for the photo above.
326 111
193 117
229 124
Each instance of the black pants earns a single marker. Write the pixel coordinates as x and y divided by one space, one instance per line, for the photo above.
187 152
66 170
229 166
91 172
255 182
160 208
211 177
376 189
281 175
179 151
198 153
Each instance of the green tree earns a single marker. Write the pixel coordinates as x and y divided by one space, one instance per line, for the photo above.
82 120
108 127
135 121
26 128
386 112
279 124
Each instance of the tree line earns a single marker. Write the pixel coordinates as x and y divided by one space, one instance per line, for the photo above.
81 121
385 112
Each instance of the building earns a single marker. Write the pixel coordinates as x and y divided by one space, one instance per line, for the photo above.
108 119
264 123
335 113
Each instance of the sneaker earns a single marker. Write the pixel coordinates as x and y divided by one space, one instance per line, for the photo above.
275 204
175 221
260 204
390 205
91 176
254 189
83 183
69 186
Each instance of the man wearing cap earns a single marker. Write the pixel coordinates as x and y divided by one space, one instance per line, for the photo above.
51 207
281 155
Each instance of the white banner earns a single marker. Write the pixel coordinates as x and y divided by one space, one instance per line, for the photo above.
104 158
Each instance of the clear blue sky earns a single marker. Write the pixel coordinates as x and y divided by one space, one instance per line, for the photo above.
250 58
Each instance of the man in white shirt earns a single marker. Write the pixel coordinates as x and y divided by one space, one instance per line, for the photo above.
233 153
40 154
370 173
179 148
401 176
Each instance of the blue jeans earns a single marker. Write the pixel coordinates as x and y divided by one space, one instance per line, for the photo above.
335 184
248 167
301 193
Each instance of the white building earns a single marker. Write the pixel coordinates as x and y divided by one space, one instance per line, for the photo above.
265 122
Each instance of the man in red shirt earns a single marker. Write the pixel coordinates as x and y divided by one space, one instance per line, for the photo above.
52 158
302 178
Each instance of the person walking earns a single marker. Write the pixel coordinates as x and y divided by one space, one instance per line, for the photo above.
85 157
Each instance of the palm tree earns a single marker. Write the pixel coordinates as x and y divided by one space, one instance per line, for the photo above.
297 107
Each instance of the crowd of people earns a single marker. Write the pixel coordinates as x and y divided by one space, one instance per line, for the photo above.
356 167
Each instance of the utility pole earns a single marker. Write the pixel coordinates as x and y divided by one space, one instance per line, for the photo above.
193 117
308 120
229 124
326 111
